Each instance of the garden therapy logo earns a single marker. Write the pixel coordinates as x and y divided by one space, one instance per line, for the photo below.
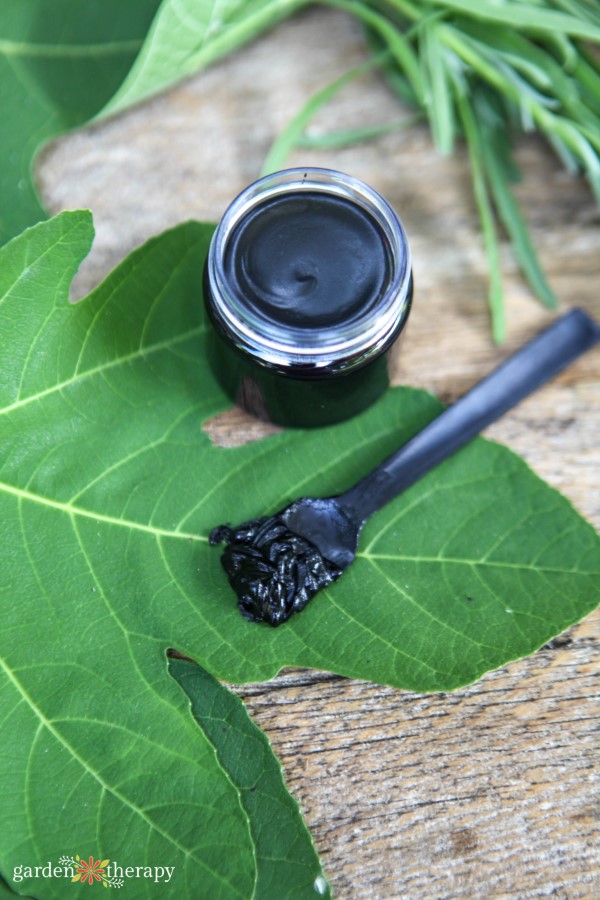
93 871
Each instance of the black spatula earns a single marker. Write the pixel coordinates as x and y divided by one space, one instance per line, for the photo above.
276 564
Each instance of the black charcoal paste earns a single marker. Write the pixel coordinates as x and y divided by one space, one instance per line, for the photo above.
308 261
273 570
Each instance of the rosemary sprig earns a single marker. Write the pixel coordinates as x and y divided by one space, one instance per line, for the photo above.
485 71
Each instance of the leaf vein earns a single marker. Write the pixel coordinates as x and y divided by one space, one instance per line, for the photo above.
474 562
378 637
427 612
99 517
111 364
10 48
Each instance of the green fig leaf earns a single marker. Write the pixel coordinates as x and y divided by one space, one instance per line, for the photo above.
109 487
108 481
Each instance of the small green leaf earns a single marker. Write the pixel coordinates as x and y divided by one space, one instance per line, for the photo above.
495 151
583 9
189 34
587 73
486 215
439 102
287 864
334 140
524 16
534 60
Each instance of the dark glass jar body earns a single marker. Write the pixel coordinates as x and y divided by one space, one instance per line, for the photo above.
308 286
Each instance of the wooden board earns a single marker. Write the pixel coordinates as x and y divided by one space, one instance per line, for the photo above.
491 791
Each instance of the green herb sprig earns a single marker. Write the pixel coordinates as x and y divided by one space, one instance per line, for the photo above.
483 71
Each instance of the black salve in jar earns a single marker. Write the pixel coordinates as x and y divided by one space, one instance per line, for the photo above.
308 285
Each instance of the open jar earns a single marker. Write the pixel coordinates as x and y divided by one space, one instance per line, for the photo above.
308 286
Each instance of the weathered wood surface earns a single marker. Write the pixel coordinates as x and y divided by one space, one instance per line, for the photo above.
491 791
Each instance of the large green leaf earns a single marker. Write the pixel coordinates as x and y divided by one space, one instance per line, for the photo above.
60 62
109 487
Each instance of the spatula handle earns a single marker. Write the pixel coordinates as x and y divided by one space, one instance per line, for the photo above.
529 368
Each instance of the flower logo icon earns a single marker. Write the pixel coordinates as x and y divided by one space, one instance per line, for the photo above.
90 870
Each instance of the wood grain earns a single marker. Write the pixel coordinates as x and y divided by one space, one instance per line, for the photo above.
484 792
491 791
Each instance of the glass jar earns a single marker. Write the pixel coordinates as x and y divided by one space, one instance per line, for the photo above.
308 286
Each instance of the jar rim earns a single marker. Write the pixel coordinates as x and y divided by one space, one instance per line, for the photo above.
343 347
